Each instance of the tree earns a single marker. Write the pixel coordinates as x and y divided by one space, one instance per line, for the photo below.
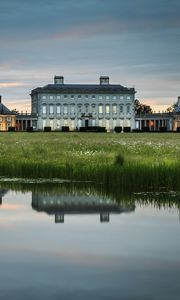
141 108
169 109
174 107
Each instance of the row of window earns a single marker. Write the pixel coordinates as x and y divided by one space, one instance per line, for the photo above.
79 123
107 97
5 126
8 119
58 109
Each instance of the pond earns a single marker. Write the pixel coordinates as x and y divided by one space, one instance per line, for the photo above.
74 241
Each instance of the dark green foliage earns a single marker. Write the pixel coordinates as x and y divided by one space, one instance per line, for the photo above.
119 160
141 108
47 129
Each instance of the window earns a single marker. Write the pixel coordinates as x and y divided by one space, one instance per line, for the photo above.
79 96
72 108
51 109
93 108
58 124
58 97
107 109
58 109
65 109
93 97
79 107
107 97
107 124
121 97
128 97
79 123
51 97
114 108
93 122
9 119
114 123
0 119
100 123
121 108
86 96
44 123
100 97
65 96
128 109
114 97
44 97
72 96
8 125
72 124
100 109
86 108
44 109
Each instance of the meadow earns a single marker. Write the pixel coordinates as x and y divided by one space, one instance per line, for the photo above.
134 161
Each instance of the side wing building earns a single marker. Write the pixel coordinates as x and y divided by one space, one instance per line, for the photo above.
79 106
7 117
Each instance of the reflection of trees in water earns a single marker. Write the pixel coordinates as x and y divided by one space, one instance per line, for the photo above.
159 200
156 199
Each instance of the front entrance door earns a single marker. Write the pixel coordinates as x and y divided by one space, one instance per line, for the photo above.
86 123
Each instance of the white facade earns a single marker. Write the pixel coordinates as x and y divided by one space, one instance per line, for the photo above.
83 105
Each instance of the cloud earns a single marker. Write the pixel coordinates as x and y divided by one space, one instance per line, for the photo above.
128 40
10 84
41 19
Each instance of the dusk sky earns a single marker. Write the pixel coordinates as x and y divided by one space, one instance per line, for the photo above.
134 42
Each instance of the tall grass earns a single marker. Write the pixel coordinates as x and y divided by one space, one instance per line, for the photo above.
131 161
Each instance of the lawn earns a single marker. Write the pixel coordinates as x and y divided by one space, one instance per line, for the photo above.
130 160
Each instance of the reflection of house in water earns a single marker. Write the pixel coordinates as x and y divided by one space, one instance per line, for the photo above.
2 194
59 205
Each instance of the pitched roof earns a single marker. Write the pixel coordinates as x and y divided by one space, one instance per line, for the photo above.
4 110
177 110
83 88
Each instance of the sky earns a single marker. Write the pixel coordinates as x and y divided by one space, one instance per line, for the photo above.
134 42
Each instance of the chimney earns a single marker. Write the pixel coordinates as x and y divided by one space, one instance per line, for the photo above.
58 80
104 80
0 99
178 102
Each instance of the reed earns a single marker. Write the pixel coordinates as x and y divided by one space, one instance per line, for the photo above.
131 161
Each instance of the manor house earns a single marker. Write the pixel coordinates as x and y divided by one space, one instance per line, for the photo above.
79 106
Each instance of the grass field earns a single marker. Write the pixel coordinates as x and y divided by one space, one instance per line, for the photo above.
132 161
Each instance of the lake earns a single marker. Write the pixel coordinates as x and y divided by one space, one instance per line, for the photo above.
64 241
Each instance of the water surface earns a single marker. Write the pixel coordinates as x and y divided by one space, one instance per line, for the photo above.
73 243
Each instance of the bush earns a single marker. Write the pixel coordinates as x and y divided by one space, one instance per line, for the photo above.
65 129
145 129
29 129
127 129
47 129
118 128
136 130
11 128
93 129
119 159
162 129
